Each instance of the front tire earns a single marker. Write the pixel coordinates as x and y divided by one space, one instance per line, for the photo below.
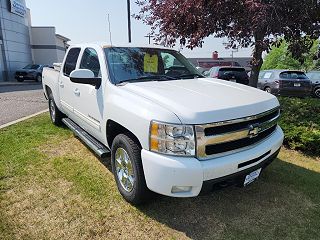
127 169
56 115
39 78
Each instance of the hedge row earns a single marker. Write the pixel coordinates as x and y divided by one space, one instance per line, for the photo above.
300 122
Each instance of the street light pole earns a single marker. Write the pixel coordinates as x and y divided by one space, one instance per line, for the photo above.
129 20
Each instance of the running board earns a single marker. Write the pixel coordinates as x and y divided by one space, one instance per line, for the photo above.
96 146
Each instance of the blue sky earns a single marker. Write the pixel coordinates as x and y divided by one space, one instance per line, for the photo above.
86 21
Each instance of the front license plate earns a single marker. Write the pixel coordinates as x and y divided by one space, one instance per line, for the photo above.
20 76
233 80
252 177
297 85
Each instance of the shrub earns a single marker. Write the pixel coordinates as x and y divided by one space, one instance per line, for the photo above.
300 122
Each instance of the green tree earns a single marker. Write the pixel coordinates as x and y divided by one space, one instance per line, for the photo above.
281 58
256 23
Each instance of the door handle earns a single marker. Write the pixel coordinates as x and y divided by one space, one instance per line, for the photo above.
61 84
76 92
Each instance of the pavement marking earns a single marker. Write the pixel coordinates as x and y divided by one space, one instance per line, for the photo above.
23 119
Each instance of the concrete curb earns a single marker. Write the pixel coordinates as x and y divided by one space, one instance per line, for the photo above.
23 119
14 84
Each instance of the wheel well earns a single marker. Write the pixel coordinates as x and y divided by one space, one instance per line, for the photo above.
114 129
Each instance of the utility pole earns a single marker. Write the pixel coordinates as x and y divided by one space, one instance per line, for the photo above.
228 46
129 20
149 36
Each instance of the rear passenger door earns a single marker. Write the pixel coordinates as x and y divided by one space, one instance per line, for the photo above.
66 87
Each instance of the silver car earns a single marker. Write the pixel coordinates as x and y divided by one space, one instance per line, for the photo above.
285 83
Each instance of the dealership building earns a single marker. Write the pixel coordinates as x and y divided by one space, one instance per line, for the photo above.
22 44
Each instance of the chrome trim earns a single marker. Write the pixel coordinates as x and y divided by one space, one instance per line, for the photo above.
250 131
238 120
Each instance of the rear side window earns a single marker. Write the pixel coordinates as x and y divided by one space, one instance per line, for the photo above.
90 61
267 75
71 61
293 75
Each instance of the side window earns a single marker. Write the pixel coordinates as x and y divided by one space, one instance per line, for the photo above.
71 61
90 61
267 75
170 61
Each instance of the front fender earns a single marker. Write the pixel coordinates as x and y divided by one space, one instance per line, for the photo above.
135 113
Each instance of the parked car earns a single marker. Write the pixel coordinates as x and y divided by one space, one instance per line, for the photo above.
169 129
314 76
30 72
232 74
285 83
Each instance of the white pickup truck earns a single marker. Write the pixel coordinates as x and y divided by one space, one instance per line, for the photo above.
169 129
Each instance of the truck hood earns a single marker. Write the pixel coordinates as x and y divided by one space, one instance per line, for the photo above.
205 100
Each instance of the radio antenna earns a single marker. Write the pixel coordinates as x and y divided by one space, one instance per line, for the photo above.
110 35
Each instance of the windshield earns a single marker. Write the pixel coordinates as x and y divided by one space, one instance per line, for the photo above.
128 64
33 67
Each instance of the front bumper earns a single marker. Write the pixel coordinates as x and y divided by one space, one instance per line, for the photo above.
162 172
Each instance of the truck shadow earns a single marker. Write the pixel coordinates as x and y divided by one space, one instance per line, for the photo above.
283 194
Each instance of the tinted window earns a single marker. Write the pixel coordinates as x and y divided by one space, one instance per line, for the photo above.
227 73
90 61
293 75
71 61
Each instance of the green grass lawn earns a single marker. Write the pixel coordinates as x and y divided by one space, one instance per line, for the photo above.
53 187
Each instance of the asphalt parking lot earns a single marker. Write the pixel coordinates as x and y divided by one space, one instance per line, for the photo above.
21 100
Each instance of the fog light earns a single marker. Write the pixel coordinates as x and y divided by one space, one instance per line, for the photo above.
179 189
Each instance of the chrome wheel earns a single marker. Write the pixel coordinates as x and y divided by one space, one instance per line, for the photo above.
52 110
317 92
124 169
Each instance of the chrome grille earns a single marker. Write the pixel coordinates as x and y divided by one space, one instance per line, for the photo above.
222 138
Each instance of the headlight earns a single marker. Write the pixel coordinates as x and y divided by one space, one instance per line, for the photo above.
172 139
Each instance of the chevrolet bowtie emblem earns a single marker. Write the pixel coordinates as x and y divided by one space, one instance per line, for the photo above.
253 131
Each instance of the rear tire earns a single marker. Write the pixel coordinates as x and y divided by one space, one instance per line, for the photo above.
55 114
317 92
127 169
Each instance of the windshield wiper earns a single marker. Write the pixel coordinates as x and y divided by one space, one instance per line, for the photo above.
192 75
148 78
